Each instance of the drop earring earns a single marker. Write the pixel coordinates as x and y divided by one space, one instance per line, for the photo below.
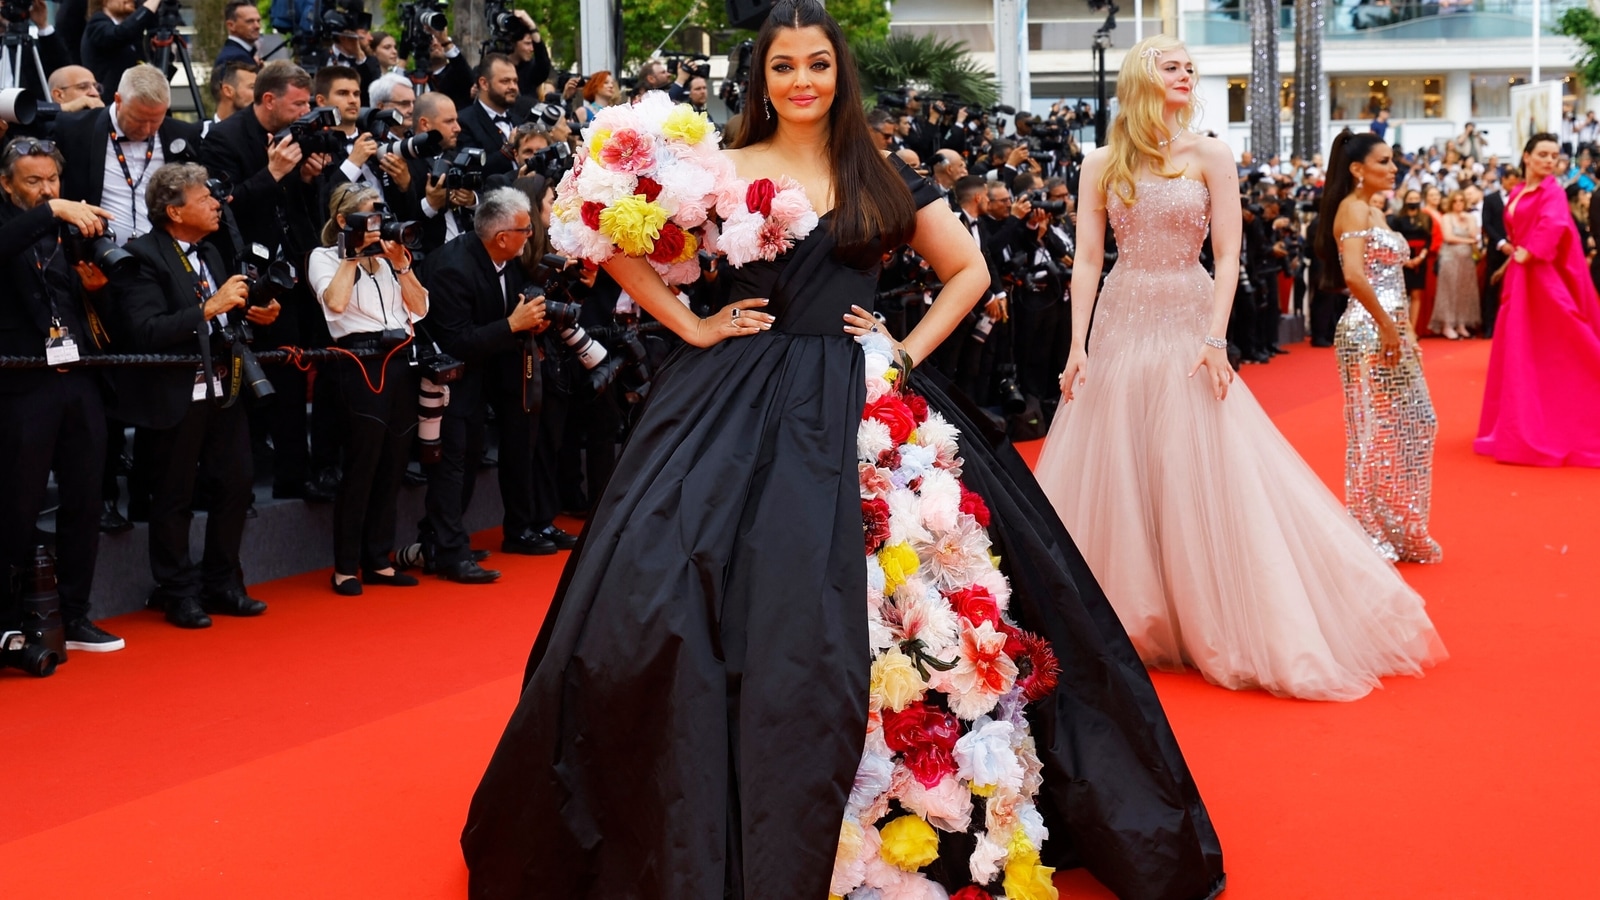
1359 181
771 113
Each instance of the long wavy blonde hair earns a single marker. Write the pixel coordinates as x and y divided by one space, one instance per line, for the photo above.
1140 127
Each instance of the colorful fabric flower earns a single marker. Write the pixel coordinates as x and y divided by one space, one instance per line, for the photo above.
628 151
633 224
893 412
975 605
909 843
895 680
982 673
972 892
1030 881
1037 668
899 562
686 125
973 505
758 196
926 738
875 521
985 757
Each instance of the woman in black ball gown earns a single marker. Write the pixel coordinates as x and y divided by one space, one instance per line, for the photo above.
693 711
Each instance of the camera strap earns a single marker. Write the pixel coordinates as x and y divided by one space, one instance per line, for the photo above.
127 174
202 291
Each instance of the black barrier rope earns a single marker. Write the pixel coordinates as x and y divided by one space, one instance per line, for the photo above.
291 355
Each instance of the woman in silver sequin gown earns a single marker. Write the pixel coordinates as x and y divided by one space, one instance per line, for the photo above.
1217 545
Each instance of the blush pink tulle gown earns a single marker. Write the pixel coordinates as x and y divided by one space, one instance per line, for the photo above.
1217 545
1541 398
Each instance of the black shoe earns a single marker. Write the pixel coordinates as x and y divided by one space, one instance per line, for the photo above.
232 603
468 572
393 579
561 539
479 556
350 587
111 521
528 544
1277 351
413 478
186 613
82 634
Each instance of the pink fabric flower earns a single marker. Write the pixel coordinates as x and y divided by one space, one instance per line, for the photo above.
773 240
875 482
628 151
789 206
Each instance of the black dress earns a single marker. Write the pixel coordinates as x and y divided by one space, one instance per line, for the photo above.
695 705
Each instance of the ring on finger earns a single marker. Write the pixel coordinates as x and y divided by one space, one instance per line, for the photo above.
734 313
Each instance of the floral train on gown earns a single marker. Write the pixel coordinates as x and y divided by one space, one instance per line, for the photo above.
948 748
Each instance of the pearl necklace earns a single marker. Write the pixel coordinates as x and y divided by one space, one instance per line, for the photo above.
1172 140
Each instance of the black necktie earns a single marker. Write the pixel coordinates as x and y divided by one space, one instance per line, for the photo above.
501 119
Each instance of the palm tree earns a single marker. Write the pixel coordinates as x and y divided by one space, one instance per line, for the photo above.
933 64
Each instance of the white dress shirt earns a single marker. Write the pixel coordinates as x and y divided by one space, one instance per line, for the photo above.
132 217
375 302
504 123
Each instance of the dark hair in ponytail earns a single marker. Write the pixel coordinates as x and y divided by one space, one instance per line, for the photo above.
872 206
1536 140
1347 148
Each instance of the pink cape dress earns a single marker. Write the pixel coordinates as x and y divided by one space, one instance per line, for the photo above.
1541 398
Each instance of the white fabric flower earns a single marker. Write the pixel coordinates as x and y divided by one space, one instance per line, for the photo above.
941 498
985 757
872 781
987 857
947 805
872 439
916 461
1031 821
905 515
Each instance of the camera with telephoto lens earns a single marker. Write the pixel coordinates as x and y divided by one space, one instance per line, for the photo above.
378 122
433 395
418 146
419 20
548 113
267 277
357 225
31 635
697 65
506 28
438 366
102 251
16 11
893 98
22 106
316 132
1012 400
344 17
463 171
1039 200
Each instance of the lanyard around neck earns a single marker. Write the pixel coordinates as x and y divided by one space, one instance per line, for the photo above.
149 153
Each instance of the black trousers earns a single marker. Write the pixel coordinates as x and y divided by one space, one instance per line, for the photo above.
213 444
1267 310
589 449
1326 310
461 437
59 425
1043 337
377 430
548 452
1242 328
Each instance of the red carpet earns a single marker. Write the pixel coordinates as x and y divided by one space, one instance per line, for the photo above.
329 748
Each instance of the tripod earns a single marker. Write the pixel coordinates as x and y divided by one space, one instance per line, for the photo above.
19 46
166 41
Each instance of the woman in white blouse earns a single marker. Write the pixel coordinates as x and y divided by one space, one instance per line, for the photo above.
370 297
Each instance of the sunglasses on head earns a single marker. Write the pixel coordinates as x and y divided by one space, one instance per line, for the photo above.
26 146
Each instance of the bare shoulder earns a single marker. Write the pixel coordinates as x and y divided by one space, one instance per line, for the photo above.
1214 151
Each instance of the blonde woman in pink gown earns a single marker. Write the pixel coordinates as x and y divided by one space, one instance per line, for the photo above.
1217 545
1541 398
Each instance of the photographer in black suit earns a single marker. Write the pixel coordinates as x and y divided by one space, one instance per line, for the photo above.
56 417
114 37
115 150
176 302
488 123
1494 238
446 213
483 312
275 203
340 88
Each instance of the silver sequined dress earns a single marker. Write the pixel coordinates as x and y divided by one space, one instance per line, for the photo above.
1388 414
1216 544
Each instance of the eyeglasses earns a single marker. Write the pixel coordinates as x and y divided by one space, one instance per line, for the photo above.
527 229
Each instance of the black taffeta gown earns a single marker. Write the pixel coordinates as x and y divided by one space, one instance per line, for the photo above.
695 704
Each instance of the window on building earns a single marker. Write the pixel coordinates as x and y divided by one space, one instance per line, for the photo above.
1405 97
1238 100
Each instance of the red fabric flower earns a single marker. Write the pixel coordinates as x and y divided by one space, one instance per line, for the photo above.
889 459
591 214
973 505
972 892
650 188
893 412
758 197
1037 668
875 523
669 244
919 407
926 739
976 605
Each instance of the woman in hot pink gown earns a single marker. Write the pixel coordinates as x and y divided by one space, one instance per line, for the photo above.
1541 400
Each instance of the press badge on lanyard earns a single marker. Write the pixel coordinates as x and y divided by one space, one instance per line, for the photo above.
60 349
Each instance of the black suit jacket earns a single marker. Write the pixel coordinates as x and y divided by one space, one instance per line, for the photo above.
455 80
1494 228
157 311
84 138
233 51
25 304
467 316
270 212
478 130
109 49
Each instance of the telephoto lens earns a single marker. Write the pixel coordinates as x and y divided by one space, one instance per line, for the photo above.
418 146
431 401
101 250
378 122
407 233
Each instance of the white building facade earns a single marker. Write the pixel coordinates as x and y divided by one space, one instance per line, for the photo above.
1434 65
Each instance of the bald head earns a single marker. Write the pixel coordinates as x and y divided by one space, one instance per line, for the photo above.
70 83
948 168
909 157
432 104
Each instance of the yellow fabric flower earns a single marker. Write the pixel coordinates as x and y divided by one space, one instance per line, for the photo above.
691 246
909 843
896 680
983 790
899 563
1021 850
633 224
684 124
597 139
1029 881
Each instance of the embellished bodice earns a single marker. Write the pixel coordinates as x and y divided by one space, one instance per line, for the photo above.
1386 252
1164 227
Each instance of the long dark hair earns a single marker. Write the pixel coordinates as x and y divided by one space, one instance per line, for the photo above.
1347 148
871 201
534 185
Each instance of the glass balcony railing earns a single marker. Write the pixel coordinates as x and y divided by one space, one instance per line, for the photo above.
1394 20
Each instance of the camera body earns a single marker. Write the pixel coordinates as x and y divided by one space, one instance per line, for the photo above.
31 635
552 162
101 251
438 366
316 132
463 171
697 65
1037 199
419 19
379 123
340 17
267 277
16 11
506 28
418 146
358 225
